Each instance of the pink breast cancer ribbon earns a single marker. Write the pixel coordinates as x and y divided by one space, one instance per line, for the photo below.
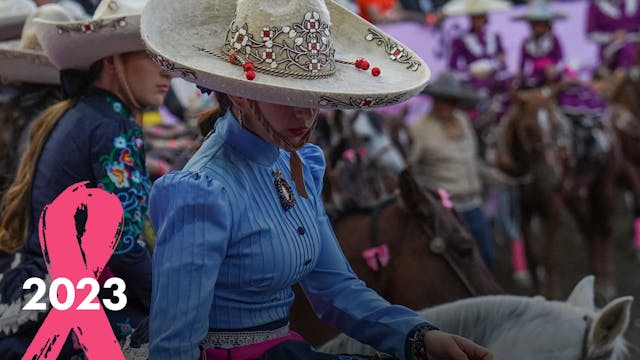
377 255
78 232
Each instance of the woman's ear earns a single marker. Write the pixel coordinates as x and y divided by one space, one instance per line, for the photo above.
108 64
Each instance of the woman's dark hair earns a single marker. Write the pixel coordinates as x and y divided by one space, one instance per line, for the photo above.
207 119
75 82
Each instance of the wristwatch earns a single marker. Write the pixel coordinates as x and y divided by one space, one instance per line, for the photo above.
416 349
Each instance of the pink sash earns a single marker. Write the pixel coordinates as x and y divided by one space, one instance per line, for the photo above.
247 352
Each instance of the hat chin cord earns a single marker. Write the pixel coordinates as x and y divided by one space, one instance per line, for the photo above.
136 108
294 161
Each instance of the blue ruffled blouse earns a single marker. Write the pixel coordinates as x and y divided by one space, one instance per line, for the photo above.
227 251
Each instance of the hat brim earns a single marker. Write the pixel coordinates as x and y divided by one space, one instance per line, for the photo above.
461 8
25 65
463 96
79 44
11 27
546 17
173 31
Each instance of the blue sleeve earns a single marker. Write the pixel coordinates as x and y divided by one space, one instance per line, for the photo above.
192 217
340 298
117 158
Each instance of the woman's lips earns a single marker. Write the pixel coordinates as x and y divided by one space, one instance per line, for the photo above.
298 131
164 88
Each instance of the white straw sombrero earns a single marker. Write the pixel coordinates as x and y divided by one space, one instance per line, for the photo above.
539 11
303 52
474 7
114 29
24 60
13 14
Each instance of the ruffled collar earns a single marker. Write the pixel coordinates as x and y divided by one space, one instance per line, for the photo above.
245 142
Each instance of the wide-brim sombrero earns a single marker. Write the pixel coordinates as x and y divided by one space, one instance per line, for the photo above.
13 14
540 11
32 66
114 29
24 60
474 7
187 37
447 86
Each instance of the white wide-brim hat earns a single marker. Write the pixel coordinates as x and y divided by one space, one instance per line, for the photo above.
292 44
474 7
24 60
13 14
539 11
114 29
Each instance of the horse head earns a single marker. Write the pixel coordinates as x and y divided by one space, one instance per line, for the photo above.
434 234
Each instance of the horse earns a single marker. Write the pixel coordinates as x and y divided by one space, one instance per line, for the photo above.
363 161
428 246
518 327
533 147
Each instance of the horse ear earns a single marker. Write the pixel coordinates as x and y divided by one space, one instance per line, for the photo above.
610 323
583 294
412 195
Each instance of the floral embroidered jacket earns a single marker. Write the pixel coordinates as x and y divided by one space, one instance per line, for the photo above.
95 141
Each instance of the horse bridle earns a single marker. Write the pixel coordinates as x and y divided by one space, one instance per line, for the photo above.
585 344
437 244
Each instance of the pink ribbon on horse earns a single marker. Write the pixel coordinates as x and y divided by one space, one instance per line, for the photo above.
79 231
445 198
349 155
377 255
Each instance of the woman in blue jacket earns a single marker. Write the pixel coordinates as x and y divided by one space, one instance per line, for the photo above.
244 220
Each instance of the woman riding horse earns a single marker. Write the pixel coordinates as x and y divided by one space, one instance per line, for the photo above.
244 220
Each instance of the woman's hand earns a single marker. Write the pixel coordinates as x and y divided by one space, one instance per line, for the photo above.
443 346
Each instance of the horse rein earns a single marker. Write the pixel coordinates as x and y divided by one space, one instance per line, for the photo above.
437 244
585 344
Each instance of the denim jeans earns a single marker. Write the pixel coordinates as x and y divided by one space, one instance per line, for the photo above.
477 224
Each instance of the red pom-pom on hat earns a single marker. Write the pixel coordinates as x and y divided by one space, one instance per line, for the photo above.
375 71
248 66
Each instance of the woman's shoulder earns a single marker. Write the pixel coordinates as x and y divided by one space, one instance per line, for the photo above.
180 183
313 157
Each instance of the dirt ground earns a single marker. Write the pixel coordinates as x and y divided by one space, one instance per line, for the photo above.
574 267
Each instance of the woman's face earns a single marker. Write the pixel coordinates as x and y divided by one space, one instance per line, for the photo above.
478 21
540 28
146 79
291 123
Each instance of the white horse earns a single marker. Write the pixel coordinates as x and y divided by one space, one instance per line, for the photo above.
516 327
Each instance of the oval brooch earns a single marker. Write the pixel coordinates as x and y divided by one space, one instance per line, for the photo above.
284 191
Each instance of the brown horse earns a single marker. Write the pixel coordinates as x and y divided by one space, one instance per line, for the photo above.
532 148
433 258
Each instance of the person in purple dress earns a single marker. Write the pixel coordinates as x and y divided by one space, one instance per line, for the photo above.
615 25
541 63
541 51
477 57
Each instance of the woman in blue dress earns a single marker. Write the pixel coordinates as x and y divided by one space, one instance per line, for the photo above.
244 220
93 136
